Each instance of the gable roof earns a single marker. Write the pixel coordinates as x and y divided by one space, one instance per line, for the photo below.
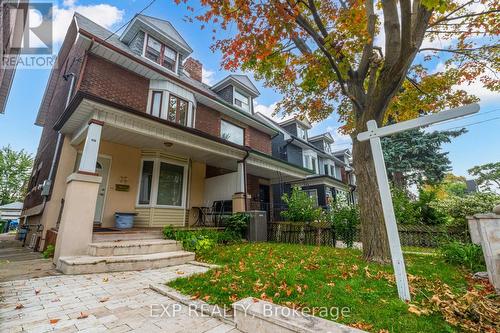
240 80
164 27
304 122
323 136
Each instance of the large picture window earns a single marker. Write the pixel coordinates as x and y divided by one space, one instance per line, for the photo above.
232 133
177 110
162 183
160 53
170 181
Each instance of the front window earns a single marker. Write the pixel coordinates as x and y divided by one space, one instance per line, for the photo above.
160 53
327 172
146 183
241 101
232 133
313 166
162 183
177 110
170 183
332 170
156 100
301 133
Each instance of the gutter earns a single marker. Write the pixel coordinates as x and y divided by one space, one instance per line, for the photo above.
244 161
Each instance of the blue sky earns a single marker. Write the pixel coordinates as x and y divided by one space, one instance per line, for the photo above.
480 145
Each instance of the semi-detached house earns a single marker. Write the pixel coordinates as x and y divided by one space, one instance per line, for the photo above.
128 126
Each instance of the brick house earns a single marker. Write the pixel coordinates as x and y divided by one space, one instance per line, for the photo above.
332 174
128 126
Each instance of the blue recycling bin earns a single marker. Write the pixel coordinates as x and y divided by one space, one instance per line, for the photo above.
124 220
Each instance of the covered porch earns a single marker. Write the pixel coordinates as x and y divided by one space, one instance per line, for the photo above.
129 162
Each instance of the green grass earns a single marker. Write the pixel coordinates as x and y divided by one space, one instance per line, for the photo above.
299 275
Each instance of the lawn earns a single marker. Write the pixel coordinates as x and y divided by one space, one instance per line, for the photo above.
314 277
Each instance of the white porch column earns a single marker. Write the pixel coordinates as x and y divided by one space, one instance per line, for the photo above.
240 197
82 186
91 148
240 186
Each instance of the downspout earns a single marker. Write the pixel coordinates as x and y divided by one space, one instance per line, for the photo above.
245 176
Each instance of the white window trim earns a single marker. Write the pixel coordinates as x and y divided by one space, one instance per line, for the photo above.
315 191
151 61
311 154
248 99
154 184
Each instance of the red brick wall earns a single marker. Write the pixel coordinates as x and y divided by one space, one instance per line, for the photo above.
208 121
258 140
115 83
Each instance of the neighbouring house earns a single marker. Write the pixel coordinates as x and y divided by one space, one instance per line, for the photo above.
12 18
331 171
129 126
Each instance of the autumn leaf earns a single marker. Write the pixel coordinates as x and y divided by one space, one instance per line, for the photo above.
362 326
233 298
179 272
82 315
206 298
19 306
54 321
37 291
104 299
105 279
195 296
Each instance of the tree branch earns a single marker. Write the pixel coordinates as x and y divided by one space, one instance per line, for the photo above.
392 32
367 54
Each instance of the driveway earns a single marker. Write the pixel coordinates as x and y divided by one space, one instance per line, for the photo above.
111 302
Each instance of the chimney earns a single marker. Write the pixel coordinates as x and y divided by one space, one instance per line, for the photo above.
194 68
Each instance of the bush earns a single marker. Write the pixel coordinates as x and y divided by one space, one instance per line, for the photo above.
344 219
200 240
49 252
461 254
458 208
405 210
237 224
427 213
300 207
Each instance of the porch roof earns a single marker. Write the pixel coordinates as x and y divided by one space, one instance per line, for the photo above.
321 180
135 128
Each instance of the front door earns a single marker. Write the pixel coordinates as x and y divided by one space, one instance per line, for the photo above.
264 197
102 169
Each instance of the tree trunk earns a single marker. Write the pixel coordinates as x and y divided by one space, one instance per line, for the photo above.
373 232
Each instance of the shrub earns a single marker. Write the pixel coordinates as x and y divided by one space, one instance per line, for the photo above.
49 251
237 224
461 254
427 213
200 240
168 232
300 207
405 210
458 208
344 219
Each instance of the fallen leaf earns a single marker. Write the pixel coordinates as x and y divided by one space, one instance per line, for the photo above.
37 291
54 321
82 315
19 306
361 326
105 279
413 309
233 298
195 296
206 298
179 272
104 299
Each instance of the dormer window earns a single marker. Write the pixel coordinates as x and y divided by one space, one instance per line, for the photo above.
301 133
160 53
241 101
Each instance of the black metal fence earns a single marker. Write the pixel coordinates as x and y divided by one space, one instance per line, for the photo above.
410 235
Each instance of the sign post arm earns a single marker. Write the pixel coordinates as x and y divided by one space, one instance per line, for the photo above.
390 218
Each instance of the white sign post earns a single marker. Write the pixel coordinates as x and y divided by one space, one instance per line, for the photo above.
374 134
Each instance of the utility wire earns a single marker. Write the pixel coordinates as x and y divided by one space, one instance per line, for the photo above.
125 24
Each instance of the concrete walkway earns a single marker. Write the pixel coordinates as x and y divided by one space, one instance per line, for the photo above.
111 302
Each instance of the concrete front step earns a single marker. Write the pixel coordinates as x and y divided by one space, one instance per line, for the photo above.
132 247
111 236
91 264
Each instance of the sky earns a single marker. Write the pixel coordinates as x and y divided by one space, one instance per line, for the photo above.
481 144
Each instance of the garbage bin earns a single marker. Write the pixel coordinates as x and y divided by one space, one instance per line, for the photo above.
124 220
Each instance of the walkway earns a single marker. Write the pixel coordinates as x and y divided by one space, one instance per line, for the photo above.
111 302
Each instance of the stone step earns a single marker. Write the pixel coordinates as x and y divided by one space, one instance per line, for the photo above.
91 264
131 247
111 236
